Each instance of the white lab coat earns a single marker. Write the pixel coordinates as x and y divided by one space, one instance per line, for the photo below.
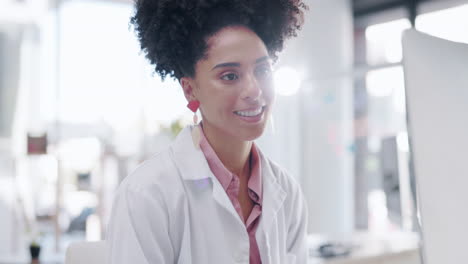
172 209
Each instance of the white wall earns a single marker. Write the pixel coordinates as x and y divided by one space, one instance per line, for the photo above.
9 71
10 38
327 115
313 134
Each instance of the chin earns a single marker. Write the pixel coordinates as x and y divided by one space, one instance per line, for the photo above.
250 134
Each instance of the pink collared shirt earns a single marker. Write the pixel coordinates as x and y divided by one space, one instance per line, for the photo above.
230 183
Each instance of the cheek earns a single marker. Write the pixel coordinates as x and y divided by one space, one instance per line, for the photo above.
219 104
228 103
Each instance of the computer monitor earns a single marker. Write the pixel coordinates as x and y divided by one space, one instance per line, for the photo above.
436 77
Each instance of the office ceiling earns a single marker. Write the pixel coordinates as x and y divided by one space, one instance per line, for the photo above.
363 7
360 7
368 7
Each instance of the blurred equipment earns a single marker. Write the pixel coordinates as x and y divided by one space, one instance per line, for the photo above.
364 248
397 183
334 249
79 223
37 144
391 181
436 73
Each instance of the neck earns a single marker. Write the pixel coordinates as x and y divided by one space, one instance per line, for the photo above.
233 153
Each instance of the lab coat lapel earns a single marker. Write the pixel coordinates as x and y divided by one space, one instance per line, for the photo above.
273 199
194 167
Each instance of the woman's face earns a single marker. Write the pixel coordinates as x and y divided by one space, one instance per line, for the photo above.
233 84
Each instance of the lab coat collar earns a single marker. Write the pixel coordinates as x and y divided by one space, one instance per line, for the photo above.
190 160
192 165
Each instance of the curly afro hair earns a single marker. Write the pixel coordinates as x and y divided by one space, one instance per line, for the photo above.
173 34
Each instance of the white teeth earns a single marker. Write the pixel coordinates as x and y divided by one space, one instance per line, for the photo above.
249 113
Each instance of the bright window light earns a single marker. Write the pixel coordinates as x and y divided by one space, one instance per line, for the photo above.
451 23
80 154
383 82
97 58
378 211
384 41
164 101
287 81
93 228
103 77
402 142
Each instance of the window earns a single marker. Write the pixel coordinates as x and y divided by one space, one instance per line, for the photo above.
451 24
382 155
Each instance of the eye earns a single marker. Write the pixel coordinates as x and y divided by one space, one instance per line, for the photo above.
229 77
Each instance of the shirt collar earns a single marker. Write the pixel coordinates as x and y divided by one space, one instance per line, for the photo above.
225 176
255 180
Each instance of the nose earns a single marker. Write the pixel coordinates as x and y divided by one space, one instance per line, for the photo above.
253 90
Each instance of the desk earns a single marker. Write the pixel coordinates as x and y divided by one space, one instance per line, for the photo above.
396 248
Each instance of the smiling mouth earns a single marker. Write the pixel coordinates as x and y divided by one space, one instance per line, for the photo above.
251 113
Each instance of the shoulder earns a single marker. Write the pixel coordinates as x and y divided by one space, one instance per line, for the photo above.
280 175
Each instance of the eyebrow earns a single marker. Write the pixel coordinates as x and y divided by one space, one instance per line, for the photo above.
236 64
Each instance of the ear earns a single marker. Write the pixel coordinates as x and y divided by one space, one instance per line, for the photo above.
188 86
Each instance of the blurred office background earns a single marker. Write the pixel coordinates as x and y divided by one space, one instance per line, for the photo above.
80 108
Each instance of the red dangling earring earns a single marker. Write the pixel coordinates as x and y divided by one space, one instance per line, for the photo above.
193 106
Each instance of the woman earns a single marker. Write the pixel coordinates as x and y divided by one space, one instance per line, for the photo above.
212 196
